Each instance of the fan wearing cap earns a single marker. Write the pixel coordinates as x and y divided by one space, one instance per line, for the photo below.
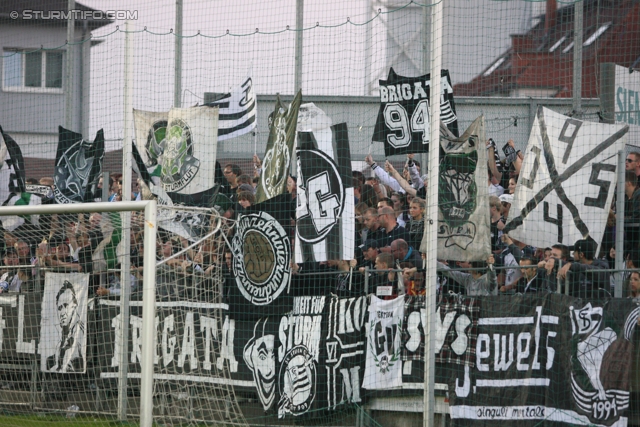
585 281
506 200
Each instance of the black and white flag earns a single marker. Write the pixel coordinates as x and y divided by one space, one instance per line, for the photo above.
78 167
325 212
383 365
13 190
12 171
63 335
237 111
463 213
567 180
403 118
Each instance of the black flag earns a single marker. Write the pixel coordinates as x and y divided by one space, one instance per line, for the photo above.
78 167
403 117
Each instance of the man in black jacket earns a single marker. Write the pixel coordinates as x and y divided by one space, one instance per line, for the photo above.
585 280
631 211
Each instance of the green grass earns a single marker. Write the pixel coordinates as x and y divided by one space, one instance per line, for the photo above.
57 421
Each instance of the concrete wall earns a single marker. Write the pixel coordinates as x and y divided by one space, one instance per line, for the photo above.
34 116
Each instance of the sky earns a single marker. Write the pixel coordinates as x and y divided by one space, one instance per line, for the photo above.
335 52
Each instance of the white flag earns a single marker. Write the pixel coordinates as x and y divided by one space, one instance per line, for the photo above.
567 180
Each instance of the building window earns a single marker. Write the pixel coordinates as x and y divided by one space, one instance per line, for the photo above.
24 70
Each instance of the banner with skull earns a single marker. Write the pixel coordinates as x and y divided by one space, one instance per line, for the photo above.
277 156
463 208
78 167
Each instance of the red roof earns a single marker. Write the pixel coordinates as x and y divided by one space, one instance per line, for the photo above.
532 63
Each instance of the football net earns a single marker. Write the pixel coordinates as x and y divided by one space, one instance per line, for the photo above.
70 317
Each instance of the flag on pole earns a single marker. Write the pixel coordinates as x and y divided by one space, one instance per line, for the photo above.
325 226
463 209
237 111
277 157
567 180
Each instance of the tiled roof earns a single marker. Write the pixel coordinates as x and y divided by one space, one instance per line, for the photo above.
543 58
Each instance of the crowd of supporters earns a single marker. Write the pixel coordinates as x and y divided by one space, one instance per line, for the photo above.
390 207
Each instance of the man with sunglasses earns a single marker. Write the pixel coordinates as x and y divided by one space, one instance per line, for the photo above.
632 163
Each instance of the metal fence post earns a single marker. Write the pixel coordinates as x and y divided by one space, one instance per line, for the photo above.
617 291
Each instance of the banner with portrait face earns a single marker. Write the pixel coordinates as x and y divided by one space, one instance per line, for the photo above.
63 335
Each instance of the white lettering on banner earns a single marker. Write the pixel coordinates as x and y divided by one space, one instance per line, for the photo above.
183 349
350 385
510 347
300 330
188 348
226 347
210 328
21 346
168 342
136 338
115 324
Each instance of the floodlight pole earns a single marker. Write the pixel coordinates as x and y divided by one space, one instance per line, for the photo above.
431 224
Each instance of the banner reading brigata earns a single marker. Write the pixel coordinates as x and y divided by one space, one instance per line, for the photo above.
403 118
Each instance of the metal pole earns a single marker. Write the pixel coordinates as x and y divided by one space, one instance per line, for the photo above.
426 65
298 64
431 222
148 317
367 50
617 291
69 81
177 59
577 58
105 186
125 261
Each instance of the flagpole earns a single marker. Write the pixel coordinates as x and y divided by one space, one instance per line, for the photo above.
431 223
125 262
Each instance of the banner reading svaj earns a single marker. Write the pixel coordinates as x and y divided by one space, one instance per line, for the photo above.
517 360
